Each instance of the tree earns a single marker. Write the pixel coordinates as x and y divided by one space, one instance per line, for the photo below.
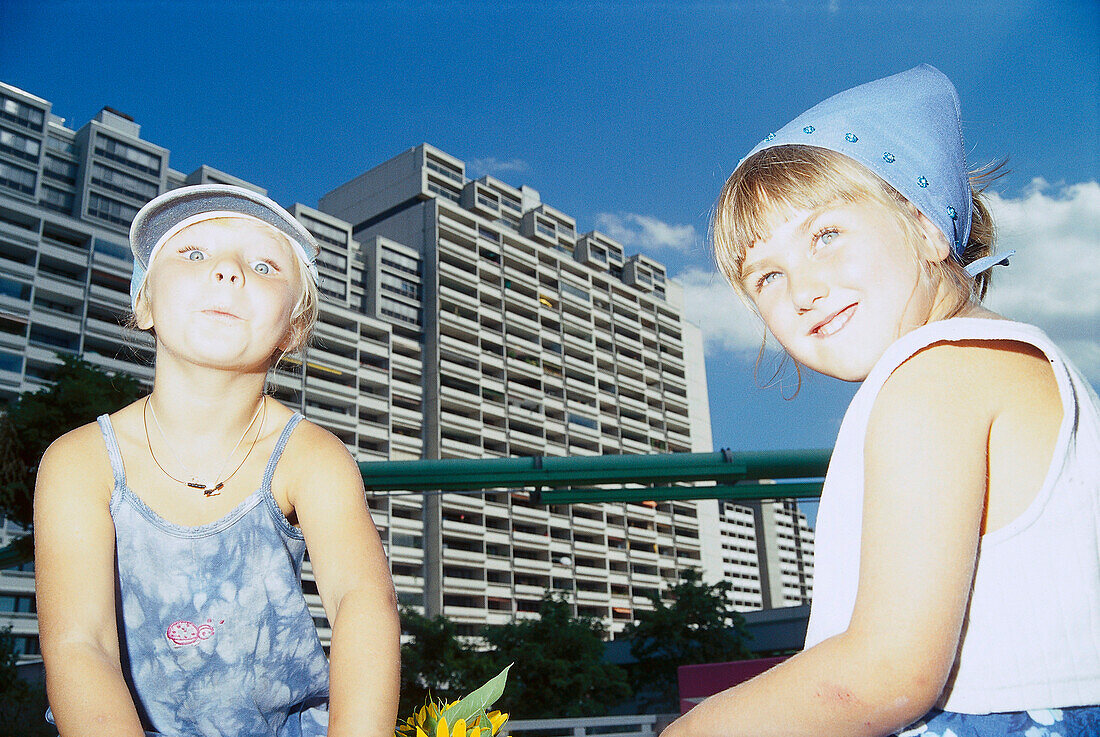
559 669
81 392
22 703
433 660
698 627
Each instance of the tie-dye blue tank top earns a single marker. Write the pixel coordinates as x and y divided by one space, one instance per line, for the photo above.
215 635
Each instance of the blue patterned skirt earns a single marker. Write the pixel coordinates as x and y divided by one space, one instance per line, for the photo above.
1075 721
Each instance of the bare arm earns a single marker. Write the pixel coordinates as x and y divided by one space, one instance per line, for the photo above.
75 586
356 589
925 483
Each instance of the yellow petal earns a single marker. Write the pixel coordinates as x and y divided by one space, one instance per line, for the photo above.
459 729
441 728
497 719
421 733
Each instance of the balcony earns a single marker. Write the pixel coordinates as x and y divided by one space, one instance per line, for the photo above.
472 531
531 565
454 295
330 388
457 326
458 449
14 268
463 585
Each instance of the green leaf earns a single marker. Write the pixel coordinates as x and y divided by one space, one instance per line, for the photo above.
480 700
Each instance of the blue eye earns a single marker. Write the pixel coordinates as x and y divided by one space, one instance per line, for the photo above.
261 267
195 255
823 237
766 279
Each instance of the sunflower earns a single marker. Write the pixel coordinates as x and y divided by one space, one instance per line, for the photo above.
466 717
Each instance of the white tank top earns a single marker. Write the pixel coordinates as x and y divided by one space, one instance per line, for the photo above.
1031 638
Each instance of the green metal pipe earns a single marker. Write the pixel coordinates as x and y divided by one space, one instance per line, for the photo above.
742 491
459 474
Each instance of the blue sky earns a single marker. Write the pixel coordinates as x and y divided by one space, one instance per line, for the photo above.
626 115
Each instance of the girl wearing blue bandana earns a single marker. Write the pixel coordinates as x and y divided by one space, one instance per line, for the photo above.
957 574
170 535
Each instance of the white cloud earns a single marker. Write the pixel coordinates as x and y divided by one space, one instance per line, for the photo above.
1053 282
1054 279
646 232
725 321
493 165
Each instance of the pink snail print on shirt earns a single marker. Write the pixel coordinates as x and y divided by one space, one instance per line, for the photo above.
182 632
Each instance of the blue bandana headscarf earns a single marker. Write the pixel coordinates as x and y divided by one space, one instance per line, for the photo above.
906 129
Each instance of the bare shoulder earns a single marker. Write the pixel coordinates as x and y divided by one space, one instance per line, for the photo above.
970 375
78 455
315 458
73 490
314 445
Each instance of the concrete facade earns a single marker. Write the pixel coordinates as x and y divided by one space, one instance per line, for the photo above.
537 340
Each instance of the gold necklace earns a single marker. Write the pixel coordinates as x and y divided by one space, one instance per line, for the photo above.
215 488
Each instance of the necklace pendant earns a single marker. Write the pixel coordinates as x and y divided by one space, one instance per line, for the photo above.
196 485
213 490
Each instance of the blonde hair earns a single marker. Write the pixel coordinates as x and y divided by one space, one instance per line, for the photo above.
303 316
787 178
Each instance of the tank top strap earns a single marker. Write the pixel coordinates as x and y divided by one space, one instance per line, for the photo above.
113 453
277 452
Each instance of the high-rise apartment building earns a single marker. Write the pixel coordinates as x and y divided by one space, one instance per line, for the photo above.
460 318
763 549
537 340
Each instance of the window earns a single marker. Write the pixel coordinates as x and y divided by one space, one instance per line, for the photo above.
334 288
399 311
20 146
43 335
12 327
14 363
113 249
125 184
335 261
14 289
59 170
567 288
110 210
17 178
325 232
582 421
20 114
486 201
60 144
132 157
406 540
398 285
445 171
400 262
433 187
